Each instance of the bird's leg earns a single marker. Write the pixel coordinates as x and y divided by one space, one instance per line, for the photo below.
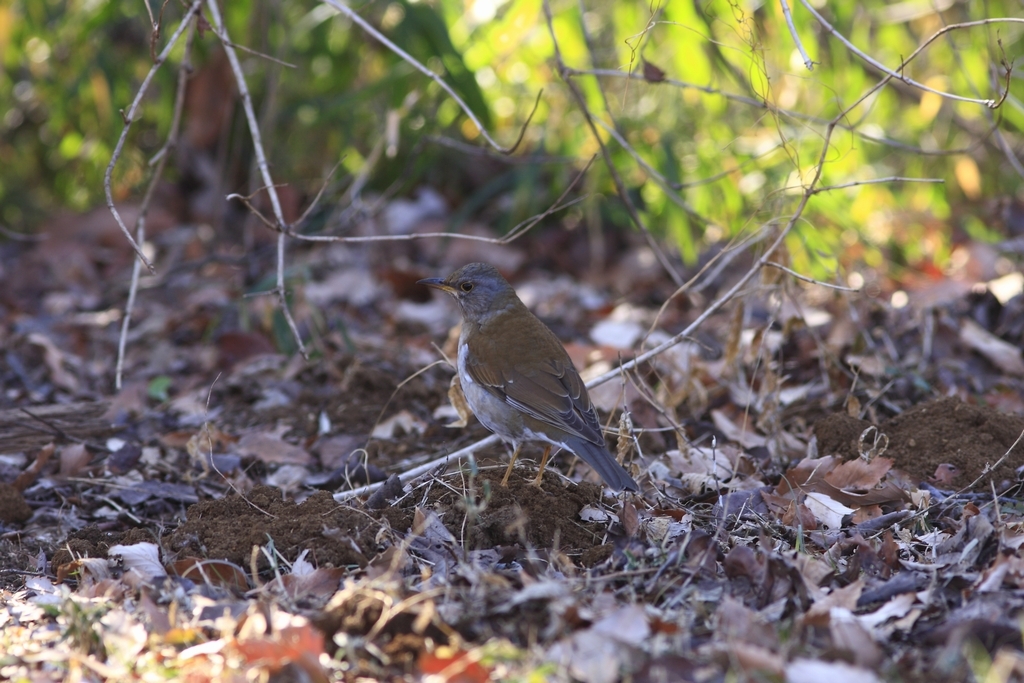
504 480
543 464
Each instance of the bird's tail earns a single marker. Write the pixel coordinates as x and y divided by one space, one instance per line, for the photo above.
603 463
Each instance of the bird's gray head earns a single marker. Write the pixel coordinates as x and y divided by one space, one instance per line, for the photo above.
479 289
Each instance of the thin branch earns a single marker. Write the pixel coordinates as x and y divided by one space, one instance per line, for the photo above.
319 195
422 469
808 62
474 150
261 162
261 55
414 63
606 154
811 280
513 234
140 224
763 105
21 236
898 75
129 119
661 180
247 203
877 181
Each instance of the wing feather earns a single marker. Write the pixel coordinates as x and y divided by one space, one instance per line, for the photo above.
554 393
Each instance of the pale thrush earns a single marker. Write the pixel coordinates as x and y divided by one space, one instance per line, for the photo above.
517 377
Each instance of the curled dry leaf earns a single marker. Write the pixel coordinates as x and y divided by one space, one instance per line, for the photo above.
459 403
74 459
28 477
142 558
402 422
589 513
55 359
213 572
827 511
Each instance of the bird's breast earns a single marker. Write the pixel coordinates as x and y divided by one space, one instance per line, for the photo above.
492 411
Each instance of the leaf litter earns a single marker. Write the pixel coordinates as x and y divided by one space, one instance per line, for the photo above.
814 503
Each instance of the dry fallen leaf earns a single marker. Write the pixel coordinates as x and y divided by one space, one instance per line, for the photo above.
1002 354
458 401
270 448
402 422
826 510
142 558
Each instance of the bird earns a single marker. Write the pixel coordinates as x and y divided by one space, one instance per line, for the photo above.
517 377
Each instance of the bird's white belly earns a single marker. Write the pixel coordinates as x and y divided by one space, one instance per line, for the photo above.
488 408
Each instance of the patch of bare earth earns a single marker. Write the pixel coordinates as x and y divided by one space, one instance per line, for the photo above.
947 442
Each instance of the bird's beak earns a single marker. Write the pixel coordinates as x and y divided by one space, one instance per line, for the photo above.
437 283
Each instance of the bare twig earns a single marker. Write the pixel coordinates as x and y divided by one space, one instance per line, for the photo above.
474 150
422 469
140 224
414 63
766 106
877 181
899 75
513 234
620 187
261 162
668 187
129 119
796 37
811 280
21 236
261 55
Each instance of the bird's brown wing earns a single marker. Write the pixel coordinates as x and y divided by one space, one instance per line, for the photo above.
553 393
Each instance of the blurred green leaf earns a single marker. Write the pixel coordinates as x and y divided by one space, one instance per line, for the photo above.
158 388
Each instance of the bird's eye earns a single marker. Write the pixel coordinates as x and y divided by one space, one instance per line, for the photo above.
466 286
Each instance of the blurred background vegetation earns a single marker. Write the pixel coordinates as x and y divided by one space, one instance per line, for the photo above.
721 133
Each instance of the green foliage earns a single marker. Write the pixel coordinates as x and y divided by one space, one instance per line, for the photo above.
159 388
722 147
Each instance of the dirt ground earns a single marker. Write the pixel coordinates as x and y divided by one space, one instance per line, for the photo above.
946 442
224 445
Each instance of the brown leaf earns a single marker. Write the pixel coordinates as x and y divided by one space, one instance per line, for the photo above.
737 623
268 447
743 562
653 74
213 572
945 475
754 658
235 347
845 597
26 478
453 665
859 474
322 583
298 643
74 460
850 637
458 401
630 518
865 513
